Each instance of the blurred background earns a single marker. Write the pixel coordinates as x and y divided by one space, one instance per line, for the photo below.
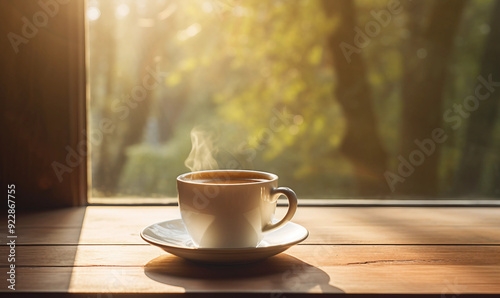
341 99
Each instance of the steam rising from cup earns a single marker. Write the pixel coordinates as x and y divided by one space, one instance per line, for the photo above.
202 152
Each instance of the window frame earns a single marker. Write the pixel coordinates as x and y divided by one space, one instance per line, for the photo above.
43 93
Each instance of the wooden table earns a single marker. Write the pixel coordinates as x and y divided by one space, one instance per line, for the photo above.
446 251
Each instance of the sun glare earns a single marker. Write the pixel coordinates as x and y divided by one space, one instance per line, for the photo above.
93 13
189 32
122 11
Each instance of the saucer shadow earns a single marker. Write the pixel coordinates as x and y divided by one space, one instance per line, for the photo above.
278 274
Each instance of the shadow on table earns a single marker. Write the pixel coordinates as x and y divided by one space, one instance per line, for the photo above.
279 274
54 235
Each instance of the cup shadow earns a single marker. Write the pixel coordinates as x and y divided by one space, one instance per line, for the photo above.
278 274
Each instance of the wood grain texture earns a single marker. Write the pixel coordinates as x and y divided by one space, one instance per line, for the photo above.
351 250
319 255
283 273
344 225
42 99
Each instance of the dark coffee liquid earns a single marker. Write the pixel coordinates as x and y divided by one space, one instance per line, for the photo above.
229 181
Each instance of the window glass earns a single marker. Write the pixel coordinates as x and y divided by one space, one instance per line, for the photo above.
341 99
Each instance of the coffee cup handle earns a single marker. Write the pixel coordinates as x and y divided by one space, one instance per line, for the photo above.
292 207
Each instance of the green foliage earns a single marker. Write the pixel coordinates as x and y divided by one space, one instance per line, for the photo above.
233 65
151 171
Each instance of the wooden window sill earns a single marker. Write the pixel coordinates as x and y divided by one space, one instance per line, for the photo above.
446 251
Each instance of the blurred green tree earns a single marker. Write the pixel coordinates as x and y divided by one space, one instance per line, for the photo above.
233 66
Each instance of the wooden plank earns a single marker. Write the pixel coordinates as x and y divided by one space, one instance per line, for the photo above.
343 216
101 267
282 274
56 218
318 255
347 225
318 235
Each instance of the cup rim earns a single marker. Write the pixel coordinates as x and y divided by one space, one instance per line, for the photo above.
269 176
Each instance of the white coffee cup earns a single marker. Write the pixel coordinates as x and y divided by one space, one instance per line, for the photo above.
231 208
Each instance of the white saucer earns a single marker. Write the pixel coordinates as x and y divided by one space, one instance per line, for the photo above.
172 237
